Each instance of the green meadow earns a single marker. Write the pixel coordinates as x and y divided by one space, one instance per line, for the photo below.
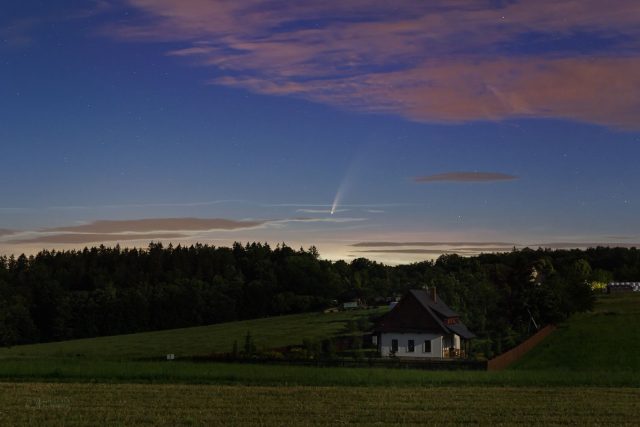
271 332
598 348
606 339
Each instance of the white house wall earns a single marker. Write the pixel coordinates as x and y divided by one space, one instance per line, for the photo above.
403 341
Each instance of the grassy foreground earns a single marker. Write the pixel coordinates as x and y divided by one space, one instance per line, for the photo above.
135 404
270 375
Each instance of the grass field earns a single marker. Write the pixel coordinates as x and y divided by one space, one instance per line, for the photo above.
578 354
136 404
267 333
269 375
573 377
606 339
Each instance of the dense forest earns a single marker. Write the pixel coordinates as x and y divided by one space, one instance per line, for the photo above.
105 291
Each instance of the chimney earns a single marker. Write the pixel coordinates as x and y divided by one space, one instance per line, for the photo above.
434 294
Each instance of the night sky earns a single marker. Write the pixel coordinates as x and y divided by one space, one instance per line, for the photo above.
426 126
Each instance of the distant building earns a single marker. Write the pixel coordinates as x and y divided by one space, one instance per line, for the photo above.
422 326
350 305
623 287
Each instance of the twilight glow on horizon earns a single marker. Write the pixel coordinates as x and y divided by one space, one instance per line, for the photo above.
395 131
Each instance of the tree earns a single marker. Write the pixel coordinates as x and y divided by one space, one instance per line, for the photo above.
249 345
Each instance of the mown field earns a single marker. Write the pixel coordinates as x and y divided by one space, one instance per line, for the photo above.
172 405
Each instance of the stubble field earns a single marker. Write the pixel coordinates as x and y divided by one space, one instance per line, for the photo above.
157 404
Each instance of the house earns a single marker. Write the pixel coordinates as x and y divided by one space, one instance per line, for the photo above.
422 326
350 305
623 287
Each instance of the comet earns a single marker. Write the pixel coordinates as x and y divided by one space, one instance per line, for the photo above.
339 193
346 183
335 203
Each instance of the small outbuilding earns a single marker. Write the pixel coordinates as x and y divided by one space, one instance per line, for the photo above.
422 326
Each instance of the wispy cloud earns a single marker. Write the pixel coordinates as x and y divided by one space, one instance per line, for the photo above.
302 207
583 245
471 248
127 230
345 205
151 205
328 219
438 61
321 211
618 237
159 224
154 229
413 251
466 177
81 238
395 244
14 210
19 34
5 232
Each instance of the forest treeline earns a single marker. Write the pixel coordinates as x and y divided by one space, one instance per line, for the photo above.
59 295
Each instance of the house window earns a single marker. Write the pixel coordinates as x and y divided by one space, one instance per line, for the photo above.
394 346
427 346
411 346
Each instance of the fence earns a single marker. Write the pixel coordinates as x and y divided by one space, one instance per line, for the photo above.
497 363
507 358
397 363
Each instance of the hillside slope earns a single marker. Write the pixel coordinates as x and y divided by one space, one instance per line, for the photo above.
266 333
607 339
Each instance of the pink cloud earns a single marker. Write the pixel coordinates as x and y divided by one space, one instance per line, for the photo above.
81 238
466 177
596 90
5 232
128 230
150 229
427 61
